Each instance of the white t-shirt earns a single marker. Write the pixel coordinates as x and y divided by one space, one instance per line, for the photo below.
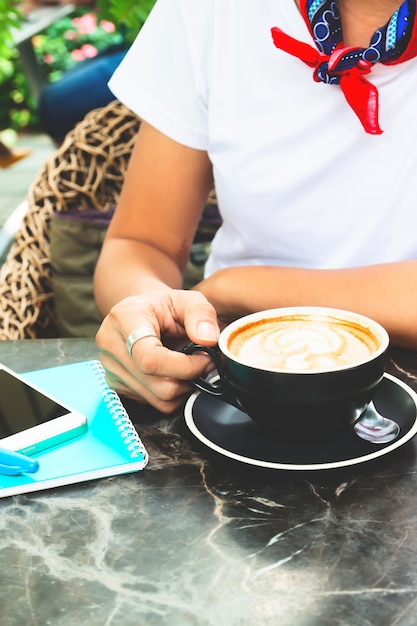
299 182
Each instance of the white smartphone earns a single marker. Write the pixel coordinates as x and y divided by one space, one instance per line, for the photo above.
32 420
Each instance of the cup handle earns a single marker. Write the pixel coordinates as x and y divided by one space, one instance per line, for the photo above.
216 388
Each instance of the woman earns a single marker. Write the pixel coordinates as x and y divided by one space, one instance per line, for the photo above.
316 182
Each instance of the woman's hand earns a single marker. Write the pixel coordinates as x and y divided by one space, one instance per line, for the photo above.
156 373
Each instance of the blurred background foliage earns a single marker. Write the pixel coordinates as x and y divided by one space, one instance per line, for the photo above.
129 15
10 17
69 41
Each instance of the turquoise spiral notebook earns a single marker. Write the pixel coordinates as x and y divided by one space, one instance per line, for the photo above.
110 446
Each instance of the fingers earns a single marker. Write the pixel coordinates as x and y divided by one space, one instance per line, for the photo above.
164 393
201 325
153 373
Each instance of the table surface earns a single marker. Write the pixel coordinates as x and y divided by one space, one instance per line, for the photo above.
198 540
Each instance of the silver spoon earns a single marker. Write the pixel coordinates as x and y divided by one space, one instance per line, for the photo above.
374 427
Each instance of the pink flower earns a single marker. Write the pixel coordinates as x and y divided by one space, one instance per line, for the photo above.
78 55
107 26
70 34
86 24
48 58
89 50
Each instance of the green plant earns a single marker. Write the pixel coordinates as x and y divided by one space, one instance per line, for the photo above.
60 47
74 39
10 18
128 15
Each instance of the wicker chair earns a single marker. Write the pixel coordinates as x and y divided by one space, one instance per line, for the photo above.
84 175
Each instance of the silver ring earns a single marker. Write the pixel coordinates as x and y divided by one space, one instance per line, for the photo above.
139 333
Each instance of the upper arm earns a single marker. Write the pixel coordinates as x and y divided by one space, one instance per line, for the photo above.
163 195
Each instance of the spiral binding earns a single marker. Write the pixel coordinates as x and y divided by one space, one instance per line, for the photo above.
118 413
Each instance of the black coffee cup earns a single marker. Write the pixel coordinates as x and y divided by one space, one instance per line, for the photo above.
301 372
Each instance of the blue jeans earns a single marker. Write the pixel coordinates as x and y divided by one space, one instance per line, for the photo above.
64 103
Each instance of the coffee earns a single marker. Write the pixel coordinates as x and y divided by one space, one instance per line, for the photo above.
303 343
299 372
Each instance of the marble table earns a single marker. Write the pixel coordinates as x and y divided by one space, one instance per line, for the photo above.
199 540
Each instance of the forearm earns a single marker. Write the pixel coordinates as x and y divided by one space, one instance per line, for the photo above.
150 235
128 267
386 293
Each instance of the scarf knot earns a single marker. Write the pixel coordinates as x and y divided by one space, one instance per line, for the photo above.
330 68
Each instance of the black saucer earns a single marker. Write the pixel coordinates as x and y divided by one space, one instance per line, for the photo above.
232 433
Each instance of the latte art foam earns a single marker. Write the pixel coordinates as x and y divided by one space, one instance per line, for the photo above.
303 344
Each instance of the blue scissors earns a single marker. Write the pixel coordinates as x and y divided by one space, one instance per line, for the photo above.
13 463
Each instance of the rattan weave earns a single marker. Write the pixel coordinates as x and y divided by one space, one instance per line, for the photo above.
86 172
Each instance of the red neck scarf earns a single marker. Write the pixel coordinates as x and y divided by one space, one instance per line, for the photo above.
335 63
